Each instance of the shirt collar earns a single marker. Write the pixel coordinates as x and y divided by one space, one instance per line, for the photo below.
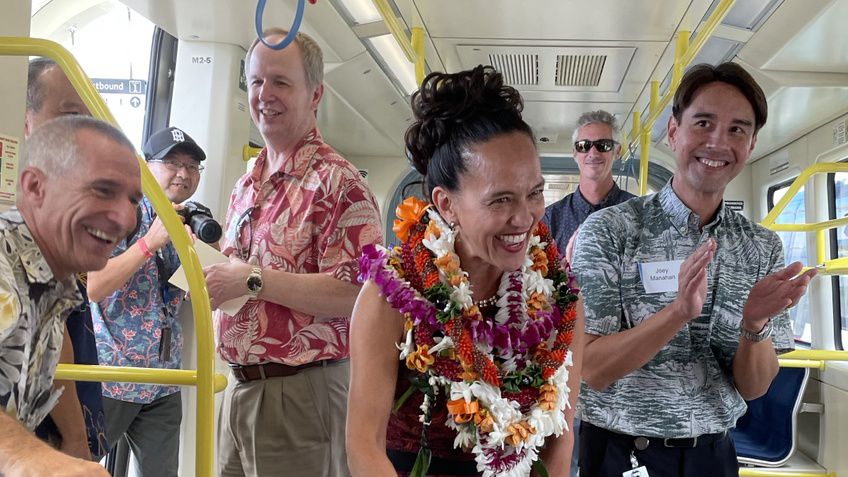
585 206
295 166
682 217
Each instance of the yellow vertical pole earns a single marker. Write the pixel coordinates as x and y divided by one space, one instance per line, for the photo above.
644 155
643 159
679 51
418 46
655 98
820 247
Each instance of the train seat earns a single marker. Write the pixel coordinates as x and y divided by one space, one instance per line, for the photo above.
766 434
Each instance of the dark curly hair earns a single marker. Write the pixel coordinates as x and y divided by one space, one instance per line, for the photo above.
455 111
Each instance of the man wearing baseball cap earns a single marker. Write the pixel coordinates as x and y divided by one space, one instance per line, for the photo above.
134 310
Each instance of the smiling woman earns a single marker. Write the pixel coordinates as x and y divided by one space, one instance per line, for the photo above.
489 372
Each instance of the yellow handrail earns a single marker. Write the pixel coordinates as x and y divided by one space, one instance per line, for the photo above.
248 152
172 377
684 53
801 363
821 354
412 48
829 267
205 374
781 473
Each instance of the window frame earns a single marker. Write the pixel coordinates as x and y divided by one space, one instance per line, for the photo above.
770 203
834 253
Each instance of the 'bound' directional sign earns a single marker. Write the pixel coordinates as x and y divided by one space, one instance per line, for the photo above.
119 86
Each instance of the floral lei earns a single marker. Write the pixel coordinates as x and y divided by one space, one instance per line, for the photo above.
506 378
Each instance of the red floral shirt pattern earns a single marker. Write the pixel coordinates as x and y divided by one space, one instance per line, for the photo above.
314 215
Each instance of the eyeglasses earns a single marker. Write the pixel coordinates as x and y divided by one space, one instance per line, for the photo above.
602 145
246 218
174 166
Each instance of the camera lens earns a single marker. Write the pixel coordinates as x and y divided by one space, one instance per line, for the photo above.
205 228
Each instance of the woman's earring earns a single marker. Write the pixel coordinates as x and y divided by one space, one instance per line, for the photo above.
452 225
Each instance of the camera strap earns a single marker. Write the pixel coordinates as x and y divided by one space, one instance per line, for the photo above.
167 291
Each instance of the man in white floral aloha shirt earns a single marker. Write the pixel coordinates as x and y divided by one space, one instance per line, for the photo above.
685 299
79 184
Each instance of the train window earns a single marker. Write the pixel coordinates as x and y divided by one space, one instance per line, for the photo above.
112 44
838 204
794 249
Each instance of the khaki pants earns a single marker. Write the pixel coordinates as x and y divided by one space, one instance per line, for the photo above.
292 426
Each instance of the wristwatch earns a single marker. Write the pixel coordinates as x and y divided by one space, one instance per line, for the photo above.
756 337
254 282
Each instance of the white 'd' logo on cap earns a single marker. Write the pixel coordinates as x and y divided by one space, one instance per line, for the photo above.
177 135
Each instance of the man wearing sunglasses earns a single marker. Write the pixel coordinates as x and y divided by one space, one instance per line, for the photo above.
135 313
685 300
595 150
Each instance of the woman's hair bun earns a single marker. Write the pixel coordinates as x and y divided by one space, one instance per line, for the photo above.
446 102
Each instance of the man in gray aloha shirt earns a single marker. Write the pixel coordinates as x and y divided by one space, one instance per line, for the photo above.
685 299
78 186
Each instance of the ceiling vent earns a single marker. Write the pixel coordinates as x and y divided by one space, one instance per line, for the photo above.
517 69
579 70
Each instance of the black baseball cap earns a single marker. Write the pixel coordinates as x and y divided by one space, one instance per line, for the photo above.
164 141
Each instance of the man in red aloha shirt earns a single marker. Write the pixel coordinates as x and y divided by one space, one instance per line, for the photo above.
295 228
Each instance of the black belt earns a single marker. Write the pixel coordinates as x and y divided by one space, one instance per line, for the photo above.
404 461
642 442
254 372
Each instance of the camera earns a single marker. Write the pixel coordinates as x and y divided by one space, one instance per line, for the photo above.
199 218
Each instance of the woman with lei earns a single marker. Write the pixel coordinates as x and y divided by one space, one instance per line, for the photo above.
474 302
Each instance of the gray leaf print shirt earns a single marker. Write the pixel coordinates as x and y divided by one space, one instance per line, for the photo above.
687 389
33 308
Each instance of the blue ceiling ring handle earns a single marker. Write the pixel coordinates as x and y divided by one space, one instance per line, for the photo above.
298 17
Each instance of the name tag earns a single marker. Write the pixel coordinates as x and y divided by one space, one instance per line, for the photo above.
637 472
660 277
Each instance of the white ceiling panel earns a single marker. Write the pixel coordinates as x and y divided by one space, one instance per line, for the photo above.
376 114
631 20
797 111
821 46
357 136
232 21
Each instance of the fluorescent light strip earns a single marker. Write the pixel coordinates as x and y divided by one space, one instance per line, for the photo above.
362 11
395 60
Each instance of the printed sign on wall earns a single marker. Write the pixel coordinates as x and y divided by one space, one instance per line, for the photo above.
9 147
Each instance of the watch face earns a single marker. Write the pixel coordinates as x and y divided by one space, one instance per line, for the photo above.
254 283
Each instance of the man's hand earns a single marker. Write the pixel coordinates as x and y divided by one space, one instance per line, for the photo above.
54 464
692 282
226 281
156 236
773 294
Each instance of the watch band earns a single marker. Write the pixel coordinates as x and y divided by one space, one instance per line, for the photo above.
759 336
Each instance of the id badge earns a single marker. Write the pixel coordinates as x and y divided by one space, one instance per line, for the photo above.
640 471
660 277
165 345
637 470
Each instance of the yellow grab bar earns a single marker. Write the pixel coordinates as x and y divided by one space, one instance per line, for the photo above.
15 46
413 48
173 377
747 472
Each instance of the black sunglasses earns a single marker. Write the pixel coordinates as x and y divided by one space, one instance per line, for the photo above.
602 145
